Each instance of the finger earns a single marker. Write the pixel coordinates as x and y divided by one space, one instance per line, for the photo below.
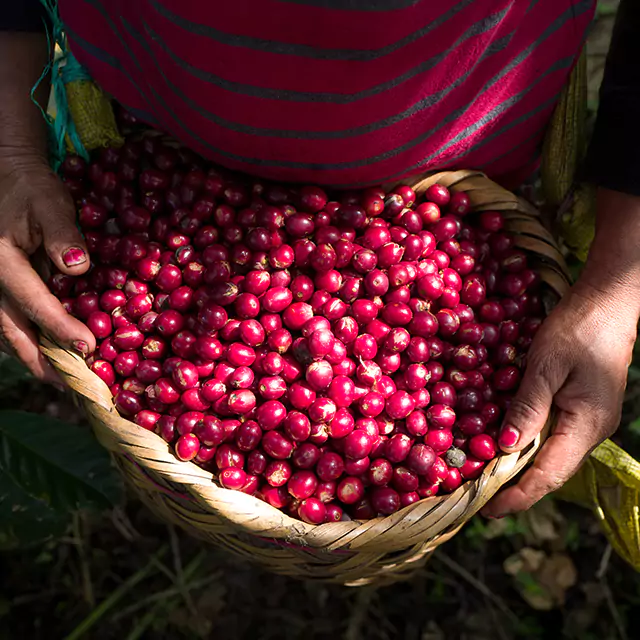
21 342
529 409
558 459
62 239
31 296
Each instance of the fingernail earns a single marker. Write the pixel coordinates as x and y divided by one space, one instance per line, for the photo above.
73 256
509 436
492 517
81 347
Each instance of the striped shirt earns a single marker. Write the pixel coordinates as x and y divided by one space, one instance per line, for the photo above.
338 92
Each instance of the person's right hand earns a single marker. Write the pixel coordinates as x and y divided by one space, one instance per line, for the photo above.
36 211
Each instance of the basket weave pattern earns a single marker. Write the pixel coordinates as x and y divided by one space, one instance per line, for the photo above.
382 550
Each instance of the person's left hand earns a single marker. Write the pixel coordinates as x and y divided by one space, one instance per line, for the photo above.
578 362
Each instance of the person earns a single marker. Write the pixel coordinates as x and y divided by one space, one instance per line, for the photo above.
350 93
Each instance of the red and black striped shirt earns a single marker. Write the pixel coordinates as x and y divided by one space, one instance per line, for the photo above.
339 92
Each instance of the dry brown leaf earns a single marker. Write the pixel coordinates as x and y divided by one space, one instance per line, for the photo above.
542 579
495 528
543 523
556 575
527 560
513 565
538 600
432 632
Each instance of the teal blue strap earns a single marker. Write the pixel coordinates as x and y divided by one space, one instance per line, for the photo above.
64 69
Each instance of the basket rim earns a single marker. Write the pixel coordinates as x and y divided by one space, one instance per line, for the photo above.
245 513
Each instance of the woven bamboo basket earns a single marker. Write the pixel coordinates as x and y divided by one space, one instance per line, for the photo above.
382 550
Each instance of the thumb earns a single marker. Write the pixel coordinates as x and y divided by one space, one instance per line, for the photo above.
529 409
62 239
558 459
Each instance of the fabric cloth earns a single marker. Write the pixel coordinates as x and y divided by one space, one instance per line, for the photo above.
338 92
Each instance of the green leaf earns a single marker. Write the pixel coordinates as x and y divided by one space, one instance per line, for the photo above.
58 463
605 9
575 269
12 372
529 627
25 520
572 537
634 427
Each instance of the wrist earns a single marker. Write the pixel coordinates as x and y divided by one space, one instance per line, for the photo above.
23 57
617 290
24 169
613 265
22 157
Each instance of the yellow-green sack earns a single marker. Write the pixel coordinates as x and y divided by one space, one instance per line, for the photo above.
563 151
609 484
